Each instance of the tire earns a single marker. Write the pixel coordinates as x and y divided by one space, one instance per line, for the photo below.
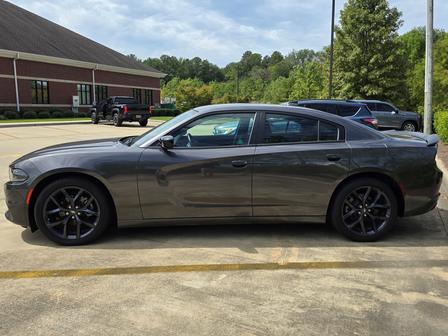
117 120
409 126
371 222
77 216
94 118
143 122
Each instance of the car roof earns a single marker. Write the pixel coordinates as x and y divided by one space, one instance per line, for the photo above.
369 101
329 101
270 108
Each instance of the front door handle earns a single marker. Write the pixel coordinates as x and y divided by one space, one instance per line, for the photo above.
239 163
333 157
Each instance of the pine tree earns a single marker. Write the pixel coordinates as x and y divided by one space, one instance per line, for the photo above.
369 62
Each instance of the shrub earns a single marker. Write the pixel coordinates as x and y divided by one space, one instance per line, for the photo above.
11 115
56 114
68 114
43 115
2 117
81 115
29 115
156 112
441 125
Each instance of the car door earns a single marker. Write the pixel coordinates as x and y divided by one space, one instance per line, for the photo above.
208 172
297 164
387 116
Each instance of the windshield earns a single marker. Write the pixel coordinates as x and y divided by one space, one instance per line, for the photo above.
156 132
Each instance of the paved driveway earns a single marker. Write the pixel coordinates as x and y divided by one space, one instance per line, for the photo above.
221 280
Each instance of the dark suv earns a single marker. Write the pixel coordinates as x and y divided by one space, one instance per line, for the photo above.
391 117
352 110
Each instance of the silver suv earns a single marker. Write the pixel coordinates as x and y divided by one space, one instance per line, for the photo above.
391 117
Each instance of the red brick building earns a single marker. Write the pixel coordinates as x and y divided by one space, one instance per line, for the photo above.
43 65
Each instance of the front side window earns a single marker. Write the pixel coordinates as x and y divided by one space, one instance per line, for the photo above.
84 94
384 107
40 92
229 129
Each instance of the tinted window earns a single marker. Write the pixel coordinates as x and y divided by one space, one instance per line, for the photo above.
125 100
384 107
347 110
328 132
230 129
364 111
286 128
371 106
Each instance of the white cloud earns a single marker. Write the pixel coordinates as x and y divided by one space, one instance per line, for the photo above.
217 30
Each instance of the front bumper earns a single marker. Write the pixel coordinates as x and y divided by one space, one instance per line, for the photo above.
15 197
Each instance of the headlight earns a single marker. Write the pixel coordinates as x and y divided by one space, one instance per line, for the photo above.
17 175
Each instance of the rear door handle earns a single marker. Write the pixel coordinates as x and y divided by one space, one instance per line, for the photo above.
333 157
239 163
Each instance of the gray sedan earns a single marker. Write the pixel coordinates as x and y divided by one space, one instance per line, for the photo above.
277 164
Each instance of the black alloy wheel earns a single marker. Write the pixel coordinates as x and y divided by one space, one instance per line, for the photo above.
72 211
364 210
94 118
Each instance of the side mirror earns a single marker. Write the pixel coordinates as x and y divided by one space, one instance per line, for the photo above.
167 142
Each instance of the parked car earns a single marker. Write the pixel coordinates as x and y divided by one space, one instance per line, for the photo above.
282 164
119 109
390 116
358 112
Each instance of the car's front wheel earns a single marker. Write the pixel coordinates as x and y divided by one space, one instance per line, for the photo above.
72 211
409 126
364 209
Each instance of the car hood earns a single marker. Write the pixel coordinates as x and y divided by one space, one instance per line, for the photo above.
87 145
429 140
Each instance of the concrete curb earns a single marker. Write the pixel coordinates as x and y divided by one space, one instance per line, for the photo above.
53 123
442 166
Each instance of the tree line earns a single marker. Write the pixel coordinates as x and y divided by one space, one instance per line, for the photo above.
371 61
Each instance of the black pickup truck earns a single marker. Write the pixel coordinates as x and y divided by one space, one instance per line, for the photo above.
119 109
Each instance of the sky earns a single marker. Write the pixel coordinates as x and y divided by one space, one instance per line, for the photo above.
217 30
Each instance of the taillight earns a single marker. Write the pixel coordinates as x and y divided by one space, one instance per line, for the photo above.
125 109
371 121
150 109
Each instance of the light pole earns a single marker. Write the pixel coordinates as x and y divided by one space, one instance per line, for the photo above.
427 125
330 82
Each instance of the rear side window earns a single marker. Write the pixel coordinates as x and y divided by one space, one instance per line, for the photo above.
371 106
347 110
286 128
328 132
364 112
384 107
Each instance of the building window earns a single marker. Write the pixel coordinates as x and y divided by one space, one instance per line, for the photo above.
100 92
40 92
137 94
84 94
148 97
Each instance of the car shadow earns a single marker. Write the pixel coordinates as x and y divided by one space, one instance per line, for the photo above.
425 230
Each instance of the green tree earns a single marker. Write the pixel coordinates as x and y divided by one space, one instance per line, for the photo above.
277 91
308 81
368 60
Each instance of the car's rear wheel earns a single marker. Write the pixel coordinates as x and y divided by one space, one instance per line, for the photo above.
94 118
143 122
72 211
364 209
409 126
117 120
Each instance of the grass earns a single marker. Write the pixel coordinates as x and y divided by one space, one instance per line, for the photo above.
42 120
165 118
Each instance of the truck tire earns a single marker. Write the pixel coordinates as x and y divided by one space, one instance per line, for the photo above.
94 118
143 122
117 120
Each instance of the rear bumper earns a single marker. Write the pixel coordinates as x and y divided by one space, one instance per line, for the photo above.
135 116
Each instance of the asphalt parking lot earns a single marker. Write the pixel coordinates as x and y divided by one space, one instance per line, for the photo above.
218 280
